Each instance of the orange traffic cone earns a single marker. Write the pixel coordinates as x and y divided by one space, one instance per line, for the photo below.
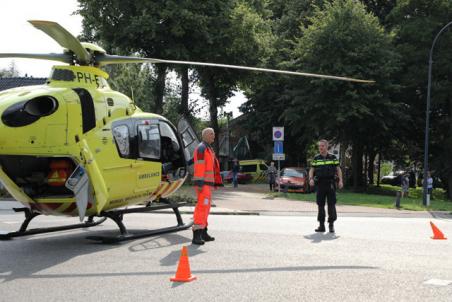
437 234
183 273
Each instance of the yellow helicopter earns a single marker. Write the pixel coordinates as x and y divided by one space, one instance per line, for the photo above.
75 147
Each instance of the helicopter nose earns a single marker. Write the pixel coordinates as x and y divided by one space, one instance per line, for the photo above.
27 112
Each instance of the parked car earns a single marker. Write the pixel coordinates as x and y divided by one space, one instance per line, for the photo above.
242 178
293 179
393 179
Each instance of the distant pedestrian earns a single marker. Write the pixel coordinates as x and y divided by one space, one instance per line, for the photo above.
271 176
430 185
405 185
235 172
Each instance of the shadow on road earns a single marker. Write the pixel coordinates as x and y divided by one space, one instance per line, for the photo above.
319 237
159 242
211 271
173 258
21 258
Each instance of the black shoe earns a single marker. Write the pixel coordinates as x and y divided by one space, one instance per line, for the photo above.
206 237
331 227
197 237
321 228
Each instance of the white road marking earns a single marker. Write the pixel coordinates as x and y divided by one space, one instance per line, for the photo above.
438 282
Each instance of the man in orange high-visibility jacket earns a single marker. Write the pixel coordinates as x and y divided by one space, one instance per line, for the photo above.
207 175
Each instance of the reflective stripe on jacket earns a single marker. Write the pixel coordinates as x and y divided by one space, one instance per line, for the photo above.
207 167
325 166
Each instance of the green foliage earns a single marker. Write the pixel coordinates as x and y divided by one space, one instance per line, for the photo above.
376 200
343 39
134 80
386 168
415 24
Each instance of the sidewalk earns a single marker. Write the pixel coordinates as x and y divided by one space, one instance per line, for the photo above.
253 200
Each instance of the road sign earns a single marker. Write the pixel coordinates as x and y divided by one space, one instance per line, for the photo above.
278 147
278 133
279 156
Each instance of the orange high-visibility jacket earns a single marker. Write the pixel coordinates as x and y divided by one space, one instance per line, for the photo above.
207 167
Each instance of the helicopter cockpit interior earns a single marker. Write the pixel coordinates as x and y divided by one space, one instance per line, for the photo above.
152 140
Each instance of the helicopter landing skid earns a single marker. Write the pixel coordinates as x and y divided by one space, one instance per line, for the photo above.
29 215
124 235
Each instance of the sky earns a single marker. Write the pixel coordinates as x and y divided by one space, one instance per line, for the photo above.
17 35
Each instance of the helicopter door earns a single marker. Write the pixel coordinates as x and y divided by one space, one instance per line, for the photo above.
189 141
148 165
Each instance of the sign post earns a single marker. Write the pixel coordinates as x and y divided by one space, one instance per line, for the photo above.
278 153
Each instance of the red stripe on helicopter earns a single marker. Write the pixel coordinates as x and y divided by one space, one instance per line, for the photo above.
70 208
45 207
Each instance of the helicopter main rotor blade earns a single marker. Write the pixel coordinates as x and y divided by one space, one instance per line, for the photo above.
65 58
64 38
110 59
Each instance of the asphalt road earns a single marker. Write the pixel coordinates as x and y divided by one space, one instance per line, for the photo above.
254 258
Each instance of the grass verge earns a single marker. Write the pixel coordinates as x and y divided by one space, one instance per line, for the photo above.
344 197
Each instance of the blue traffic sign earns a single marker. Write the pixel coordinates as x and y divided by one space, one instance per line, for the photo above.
278 147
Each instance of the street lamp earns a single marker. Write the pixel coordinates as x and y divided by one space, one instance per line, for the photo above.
427 115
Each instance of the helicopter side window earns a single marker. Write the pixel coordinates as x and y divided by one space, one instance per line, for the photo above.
121 135
149 142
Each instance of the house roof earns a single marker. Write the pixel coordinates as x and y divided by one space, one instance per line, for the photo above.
7 83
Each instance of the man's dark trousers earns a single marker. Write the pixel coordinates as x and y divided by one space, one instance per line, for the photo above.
326 190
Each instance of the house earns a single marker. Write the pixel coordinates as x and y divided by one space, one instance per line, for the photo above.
7 83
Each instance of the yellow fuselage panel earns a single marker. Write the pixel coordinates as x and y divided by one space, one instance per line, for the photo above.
116 181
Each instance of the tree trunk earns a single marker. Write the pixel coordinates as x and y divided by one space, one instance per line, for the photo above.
449 188
159 88
379 170
213 110
448 185
364 176
184 93
212 96
342 149
357 166
370 166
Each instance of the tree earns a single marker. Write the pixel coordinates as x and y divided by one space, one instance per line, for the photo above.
343 39
380 8
134 80
9 72
416 23
239 35
266 100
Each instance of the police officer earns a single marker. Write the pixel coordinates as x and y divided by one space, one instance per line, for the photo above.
325 171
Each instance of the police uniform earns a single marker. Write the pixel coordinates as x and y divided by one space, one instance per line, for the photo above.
325 168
